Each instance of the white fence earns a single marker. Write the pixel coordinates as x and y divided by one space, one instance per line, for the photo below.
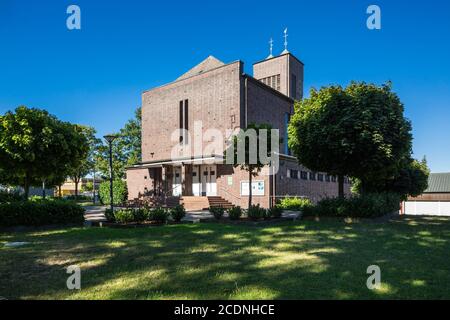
427 208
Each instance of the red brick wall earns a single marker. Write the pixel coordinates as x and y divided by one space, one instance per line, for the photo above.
214 98
232 193
136 182
313 190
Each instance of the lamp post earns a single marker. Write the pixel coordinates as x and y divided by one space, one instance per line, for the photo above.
110 138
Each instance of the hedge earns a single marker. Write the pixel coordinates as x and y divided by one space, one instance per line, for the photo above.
6 197
294 203
365 206
120 192
138 215
39 213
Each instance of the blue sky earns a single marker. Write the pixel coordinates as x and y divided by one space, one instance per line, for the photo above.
94 76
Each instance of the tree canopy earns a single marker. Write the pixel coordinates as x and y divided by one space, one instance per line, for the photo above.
36 147
87 164
126 149
251 140
359 131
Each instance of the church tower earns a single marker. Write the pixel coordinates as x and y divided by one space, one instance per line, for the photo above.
283 73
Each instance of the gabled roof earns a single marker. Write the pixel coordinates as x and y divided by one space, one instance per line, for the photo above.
438 183
206 65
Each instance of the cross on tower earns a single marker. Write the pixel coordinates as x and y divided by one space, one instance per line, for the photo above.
270 49
285 40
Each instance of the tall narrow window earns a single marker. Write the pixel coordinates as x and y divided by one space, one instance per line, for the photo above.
293 86
181 121
186 120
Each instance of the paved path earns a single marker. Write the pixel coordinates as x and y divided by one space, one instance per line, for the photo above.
95 213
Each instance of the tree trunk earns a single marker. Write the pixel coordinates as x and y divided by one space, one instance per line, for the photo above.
76 180
341 186
43 189
60 191
26 188
250 188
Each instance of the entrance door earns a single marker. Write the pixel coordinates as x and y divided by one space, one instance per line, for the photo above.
209 185
176 183
196 186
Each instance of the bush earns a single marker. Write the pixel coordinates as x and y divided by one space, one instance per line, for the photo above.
81 197
140 215
39 213
109 215
235 213
255 212
178 213
124 216
120 192
158 215
8 197
217 212
364 206
275 212
295 204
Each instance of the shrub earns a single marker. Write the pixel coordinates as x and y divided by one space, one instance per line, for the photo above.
120 192
32 213
178 213
296 204
364 206
124 216
217 212
159 215
255 212
80 197
7 197
235 213
109 215
275 211
140 215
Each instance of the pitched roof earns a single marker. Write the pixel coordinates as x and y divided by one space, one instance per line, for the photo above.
438 182
206 65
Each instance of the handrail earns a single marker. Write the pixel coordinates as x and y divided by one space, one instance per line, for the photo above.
222 188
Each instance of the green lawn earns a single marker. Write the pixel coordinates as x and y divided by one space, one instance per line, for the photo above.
301 260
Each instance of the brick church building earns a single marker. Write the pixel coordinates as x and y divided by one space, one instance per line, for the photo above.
223 97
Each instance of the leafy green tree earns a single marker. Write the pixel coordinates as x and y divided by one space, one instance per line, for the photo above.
410 180
359 131
35 147
86 165
89 186
130 138
126 149
251 160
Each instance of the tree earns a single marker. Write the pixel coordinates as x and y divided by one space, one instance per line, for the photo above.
250 160
359 132
410 180
36 147
86 165
130 138
126 149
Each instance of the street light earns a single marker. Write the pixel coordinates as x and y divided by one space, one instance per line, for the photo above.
110 138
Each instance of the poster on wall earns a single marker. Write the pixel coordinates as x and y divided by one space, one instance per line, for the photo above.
257 188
